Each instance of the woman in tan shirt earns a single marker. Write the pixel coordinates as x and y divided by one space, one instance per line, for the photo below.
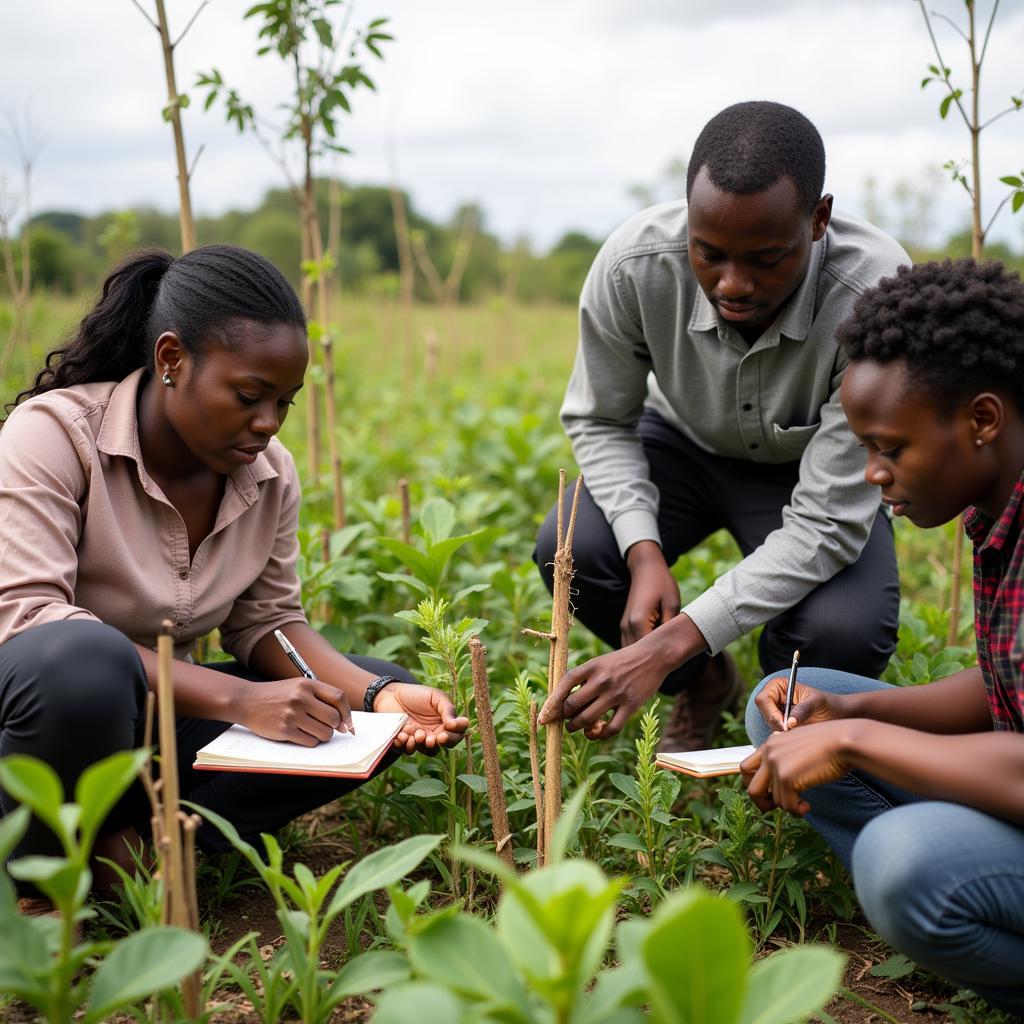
141 481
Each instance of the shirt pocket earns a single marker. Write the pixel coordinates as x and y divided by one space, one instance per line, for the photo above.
791 441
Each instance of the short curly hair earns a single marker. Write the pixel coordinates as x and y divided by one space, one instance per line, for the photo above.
747 147
958 325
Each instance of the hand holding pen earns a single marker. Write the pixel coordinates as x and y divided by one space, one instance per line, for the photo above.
329 694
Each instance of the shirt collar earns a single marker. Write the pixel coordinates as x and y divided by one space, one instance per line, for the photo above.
798 314
986 533
119 435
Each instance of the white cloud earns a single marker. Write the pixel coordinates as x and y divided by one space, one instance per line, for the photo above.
545 111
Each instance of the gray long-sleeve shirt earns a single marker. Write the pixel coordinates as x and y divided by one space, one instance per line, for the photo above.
649 336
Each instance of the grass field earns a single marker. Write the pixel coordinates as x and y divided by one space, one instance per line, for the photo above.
466 410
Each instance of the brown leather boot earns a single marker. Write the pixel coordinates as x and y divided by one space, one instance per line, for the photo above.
698 709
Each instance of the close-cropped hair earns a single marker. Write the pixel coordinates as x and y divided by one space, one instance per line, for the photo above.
198 296
958 325
747 147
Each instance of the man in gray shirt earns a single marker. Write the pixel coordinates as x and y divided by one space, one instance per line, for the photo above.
705 395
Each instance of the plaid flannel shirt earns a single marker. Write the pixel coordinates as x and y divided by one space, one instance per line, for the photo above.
999 607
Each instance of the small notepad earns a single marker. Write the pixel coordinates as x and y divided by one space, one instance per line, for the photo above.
703 764
343 755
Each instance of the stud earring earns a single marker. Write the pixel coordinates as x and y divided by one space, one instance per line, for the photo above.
166 378
978 442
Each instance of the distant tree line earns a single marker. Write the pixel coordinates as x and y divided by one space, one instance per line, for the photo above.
69 251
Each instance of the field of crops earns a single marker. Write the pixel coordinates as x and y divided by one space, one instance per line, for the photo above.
466 412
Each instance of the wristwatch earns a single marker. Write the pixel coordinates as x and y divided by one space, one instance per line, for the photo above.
376 685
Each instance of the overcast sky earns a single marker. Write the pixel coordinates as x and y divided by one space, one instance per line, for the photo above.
544 111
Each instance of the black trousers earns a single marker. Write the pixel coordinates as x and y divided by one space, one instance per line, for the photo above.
847 623
74 691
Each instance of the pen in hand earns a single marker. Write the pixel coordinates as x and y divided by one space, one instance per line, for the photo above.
300 663
790 687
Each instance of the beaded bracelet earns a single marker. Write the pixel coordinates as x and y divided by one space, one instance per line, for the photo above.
376 685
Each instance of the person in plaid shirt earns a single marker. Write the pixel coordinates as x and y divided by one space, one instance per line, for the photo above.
920 789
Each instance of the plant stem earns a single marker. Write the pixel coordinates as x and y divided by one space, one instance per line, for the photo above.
538 791
489 744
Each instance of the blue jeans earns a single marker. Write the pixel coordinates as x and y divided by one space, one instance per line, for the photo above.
940 882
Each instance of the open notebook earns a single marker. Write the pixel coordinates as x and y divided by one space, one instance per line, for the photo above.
343 755
704 764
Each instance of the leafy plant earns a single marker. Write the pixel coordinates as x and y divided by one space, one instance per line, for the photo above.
40 960
306 907
541 960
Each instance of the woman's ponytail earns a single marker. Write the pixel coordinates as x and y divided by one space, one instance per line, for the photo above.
111 340
196 295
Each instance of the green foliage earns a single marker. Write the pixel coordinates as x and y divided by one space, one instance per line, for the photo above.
306 908
40 961
689 962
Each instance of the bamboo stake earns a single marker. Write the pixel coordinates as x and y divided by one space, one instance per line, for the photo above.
176 903
538 791
558 660
489 743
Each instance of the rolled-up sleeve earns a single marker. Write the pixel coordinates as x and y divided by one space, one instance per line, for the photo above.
43 481
274 598
603 404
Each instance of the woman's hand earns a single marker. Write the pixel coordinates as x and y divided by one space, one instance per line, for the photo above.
432 722
809 705
788 763
303 711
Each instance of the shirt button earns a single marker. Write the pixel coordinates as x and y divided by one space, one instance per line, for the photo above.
753 446
183 574
747 407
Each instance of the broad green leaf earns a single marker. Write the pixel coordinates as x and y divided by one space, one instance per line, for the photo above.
1011 179
463 954
418 1001
142 964
375 969
58 877
437 519
1017 201
477 783
381 869
102 784
23 951
897 966
696 953
426 788
626 841
12 828
792 984
412 558
35 784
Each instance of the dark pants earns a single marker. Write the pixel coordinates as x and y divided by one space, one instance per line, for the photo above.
848 623
72 692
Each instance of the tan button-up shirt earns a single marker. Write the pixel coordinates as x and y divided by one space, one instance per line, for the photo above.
85 531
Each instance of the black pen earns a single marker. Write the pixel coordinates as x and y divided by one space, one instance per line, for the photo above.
790 686
299 662
293 655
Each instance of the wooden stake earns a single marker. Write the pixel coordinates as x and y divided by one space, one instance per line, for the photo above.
558 662
489 743
538 790
403 497
176 906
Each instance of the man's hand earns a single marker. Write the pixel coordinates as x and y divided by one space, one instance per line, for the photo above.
653 592
809 705
303 711
432 722
788 763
